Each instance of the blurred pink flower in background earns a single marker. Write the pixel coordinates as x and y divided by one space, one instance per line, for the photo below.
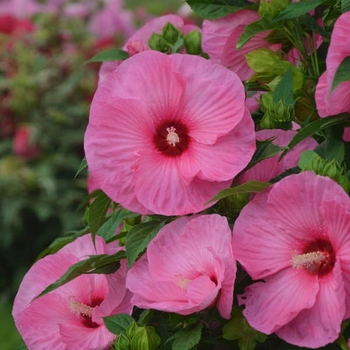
187 268
271 167
23 144
295 237
338 101
168 143
70 317
220 37
138 42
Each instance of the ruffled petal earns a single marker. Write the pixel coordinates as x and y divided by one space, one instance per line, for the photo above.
319 325
274 303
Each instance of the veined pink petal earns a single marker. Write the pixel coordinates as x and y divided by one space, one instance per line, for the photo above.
190 279
264 251
314 327
339 100
221 36
303 218
277 301
337 218
230 151
96 339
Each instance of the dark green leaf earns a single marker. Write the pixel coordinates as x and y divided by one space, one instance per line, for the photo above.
333 146
145 316
91 265
265 149
342 74
186 339
22 347
97 212
83 165
314 127
250 186
345 5
265 23
312 24
209 10
109 55
138 238
284 89
297 9
118 323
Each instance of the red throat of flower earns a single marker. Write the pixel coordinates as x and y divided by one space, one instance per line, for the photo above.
84 311
317 258
171 138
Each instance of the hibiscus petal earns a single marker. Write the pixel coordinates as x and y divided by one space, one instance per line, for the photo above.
319 325
271 305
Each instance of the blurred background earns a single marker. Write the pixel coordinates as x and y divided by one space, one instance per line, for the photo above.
45 95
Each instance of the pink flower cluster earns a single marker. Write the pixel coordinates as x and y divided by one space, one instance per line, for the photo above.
166 133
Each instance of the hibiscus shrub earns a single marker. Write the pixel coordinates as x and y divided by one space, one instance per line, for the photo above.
218 214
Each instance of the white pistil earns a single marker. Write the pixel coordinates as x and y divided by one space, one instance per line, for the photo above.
172 137
79 308
307 259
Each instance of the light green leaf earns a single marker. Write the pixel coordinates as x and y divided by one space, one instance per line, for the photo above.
250 186
145 338
342 74
297 9
139 237
118 323
109 55
209 10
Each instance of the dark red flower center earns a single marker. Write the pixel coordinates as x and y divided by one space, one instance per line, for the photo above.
317 258
171 138
85 311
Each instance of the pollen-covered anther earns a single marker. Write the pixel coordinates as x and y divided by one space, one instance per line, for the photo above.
79 308
308 259
172 137
182 282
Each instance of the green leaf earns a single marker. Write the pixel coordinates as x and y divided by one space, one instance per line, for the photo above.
250 186
108 229
239 329
83 165
265 149
284 89
145 338
145 316
97 212
265 23
297 9
139 237
22 347
209 10
91 265
109 55
342 74
118 323
313 128
312 24
333 146
345 5
122 342
188 338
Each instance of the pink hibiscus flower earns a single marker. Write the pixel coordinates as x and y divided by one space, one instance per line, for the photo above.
338 101
138 42
71 316
272 167
295 237
168 143
220 37
187 268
